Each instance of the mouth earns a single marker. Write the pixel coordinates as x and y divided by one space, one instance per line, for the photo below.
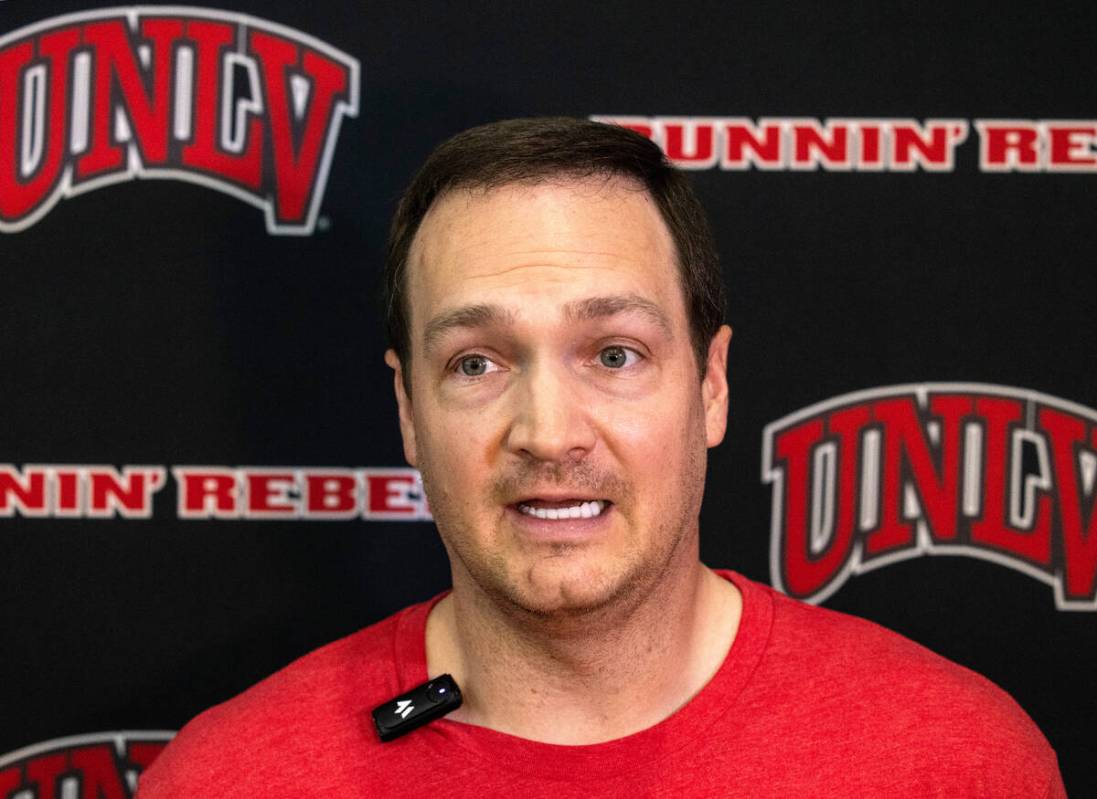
562 509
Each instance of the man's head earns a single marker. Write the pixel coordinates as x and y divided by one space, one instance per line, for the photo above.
547 360
550 148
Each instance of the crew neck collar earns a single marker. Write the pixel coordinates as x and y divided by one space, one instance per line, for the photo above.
642 748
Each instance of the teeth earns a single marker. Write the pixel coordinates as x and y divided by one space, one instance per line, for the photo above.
584 510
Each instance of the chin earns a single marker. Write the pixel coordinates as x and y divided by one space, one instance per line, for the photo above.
554 587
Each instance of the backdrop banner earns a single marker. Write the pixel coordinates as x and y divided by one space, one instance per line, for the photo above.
201 474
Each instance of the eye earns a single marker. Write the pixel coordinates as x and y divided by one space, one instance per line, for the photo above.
617 357
474 366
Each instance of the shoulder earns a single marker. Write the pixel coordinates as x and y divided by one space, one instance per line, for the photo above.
873 690
318 706
836 647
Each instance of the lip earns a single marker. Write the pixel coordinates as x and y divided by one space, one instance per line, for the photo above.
557 496
559 531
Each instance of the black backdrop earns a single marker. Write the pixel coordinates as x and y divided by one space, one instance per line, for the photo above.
159 322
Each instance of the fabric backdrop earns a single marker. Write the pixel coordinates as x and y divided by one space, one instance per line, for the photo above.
201 475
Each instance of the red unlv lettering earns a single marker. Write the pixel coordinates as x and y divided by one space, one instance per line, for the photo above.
95 492
103 765
998 473
1048 145
803 143
314 493
221 99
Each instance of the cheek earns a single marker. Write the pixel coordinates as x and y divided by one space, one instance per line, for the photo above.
456 453
662 452
658 443
663 417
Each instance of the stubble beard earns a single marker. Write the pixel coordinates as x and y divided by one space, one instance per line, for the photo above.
542 592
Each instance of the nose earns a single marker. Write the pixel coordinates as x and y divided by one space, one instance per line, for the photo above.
550 421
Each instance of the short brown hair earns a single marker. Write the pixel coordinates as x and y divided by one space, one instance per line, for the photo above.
539 149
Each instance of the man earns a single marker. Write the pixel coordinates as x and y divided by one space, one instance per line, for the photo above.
560 365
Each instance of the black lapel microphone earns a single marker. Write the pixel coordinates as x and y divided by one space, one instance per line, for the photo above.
406 712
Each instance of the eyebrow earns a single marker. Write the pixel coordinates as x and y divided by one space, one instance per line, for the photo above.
611 305
467 316
488 315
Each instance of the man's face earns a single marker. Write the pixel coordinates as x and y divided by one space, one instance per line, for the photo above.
557 413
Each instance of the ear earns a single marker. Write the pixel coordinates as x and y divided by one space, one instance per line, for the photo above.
714 388
403 402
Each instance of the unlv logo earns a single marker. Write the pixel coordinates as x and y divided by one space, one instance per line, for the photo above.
224 100
882 475
102 765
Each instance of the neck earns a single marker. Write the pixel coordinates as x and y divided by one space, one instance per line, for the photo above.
583 680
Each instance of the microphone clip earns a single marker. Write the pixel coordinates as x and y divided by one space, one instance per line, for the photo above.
409 711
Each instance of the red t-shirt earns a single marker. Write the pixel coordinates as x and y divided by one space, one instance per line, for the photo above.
808 702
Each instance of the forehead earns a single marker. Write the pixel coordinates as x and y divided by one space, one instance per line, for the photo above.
533 248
